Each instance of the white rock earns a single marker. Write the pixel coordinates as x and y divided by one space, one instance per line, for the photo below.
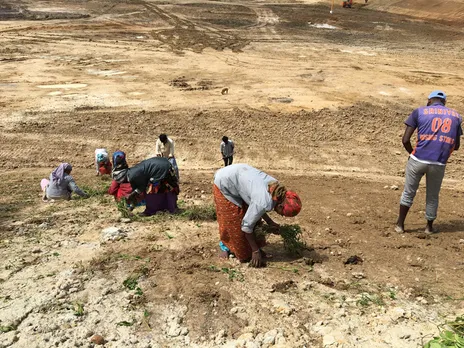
328 340
184 331
174 331
8 338
44 225
397 313
251 344
305 286
394 187
246 336
113 234
220 337
358 275
61 294
270 337
461 241
282 307
259 338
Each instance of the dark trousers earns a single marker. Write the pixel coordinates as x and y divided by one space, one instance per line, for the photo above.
228 160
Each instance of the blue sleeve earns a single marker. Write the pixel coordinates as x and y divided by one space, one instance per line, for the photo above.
252 216
412 120
74 188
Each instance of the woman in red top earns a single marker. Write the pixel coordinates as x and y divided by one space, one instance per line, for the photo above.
119 190
116 189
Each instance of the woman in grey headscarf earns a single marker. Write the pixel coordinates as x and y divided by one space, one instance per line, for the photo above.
61 184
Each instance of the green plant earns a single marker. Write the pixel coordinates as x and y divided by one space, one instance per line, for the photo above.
125 323
78 309
451 335
367 300
213 268
130 283
146 318
101 190
138 291
291 235
156 247
124 210
205 212
364 301
233 274
7 328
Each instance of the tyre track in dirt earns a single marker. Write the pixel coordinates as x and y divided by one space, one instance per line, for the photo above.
265 23
186 34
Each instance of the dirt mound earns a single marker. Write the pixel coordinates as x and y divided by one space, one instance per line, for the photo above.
450 10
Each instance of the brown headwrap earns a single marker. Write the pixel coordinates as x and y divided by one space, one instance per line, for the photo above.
277 191
291 203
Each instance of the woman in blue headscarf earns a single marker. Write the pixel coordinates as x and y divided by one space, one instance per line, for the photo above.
117 189
61 184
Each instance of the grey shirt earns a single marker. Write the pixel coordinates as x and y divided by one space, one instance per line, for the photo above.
242 183
227 150
64 189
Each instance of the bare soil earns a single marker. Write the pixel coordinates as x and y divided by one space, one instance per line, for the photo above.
317 100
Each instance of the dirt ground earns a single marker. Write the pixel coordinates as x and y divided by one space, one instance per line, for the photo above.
317 100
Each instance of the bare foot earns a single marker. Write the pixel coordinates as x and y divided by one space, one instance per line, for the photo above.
399 229
223 254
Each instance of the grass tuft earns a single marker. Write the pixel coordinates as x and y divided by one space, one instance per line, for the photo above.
98 191
199 212
291 236
452 336
124 210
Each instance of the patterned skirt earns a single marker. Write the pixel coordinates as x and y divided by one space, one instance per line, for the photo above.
229 218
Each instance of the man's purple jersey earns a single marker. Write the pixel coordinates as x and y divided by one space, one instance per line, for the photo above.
438 127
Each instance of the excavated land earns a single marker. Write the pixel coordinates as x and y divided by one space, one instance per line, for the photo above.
317 100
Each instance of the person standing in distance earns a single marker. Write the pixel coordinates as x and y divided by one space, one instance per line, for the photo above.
438 135
165 148
227 151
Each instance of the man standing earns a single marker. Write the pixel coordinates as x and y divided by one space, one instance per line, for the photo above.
227 151
438 135
165 148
